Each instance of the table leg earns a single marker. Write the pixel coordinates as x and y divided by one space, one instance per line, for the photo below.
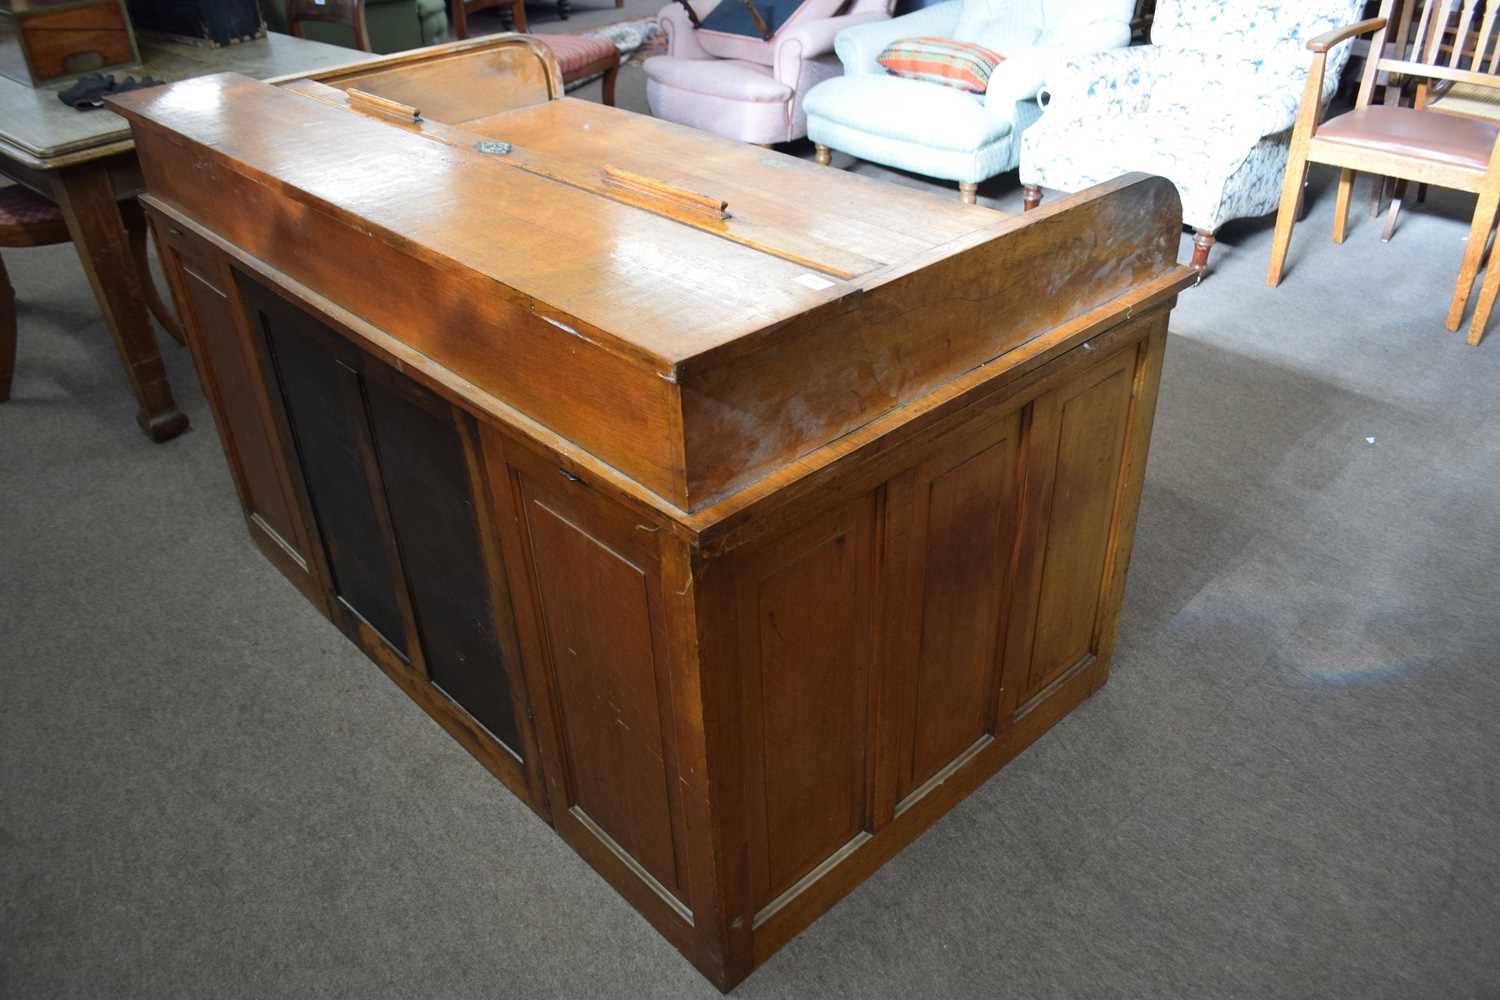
135 224
87 199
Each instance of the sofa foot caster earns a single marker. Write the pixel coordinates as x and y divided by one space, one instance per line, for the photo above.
1203 245
968 193
823 153
1031 197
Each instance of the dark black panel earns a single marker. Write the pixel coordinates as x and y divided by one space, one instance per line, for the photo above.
219 21
430 497
321 395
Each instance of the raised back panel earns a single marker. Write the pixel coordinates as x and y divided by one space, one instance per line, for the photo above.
964 515
1091 423
458 87
601 620
805 621
431 496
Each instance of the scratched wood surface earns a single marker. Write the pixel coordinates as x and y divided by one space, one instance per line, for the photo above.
740 603
695 354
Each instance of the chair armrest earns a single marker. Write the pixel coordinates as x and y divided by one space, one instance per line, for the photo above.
858 47
675 24
1021 76
810 40
1329 39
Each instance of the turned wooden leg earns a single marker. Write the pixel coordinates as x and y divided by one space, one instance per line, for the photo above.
564 8
135 225
7 333
608 97
823 154
1397 197
968 193
86 196
1341 207
1031 197
1479 234
1203 245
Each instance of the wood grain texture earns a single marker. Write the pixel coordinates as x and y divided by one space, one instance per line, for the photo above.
955 531
733 714
54 43
698 345
458 82
804 644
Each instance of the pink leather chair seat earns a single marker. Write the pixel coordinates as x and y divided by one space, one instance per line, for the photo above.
1446 139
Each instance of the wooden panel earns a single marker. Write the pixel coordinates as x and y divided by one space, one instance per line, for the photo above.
804 621
600 618
1075 452
432 500
960 528
245 430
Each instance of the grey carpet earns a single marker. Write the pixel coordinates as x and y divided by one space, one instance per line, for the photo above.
1288 789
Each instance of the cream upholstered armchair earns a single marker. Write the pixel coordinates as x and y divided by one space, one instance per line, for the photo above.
940 131
748 88
1209 104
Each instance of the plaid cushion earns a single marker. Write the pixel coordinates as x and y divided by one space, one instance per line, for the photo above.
941 60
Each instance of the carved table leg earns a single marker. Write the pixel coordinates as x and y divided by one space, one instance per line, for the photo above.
823 154
1203 245
564 8
135 224
968 193
7 333
1031 198
87 199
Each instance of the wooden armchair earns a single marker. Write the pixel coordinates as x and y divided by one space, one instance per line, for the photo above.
1415 144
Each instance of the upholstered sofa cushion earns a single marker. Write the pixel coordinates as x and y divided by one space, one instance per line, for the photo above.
944 61
732 79
923 113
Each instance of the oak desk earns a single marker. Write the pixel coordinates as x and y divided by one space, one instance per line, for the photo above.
85 161
741 542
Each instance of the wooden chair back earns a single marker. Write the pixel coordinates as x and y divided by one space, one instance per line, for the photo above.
350 13
1454 41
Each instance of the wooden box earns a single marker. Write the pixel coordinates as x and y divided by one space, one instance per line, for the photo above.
740 546
42 40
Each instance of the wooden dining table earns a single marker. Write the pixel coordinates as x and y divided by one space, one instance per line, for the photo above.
85 161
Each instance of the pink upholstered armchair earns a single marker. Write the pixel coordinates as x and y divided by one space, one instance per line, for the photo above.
745 88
